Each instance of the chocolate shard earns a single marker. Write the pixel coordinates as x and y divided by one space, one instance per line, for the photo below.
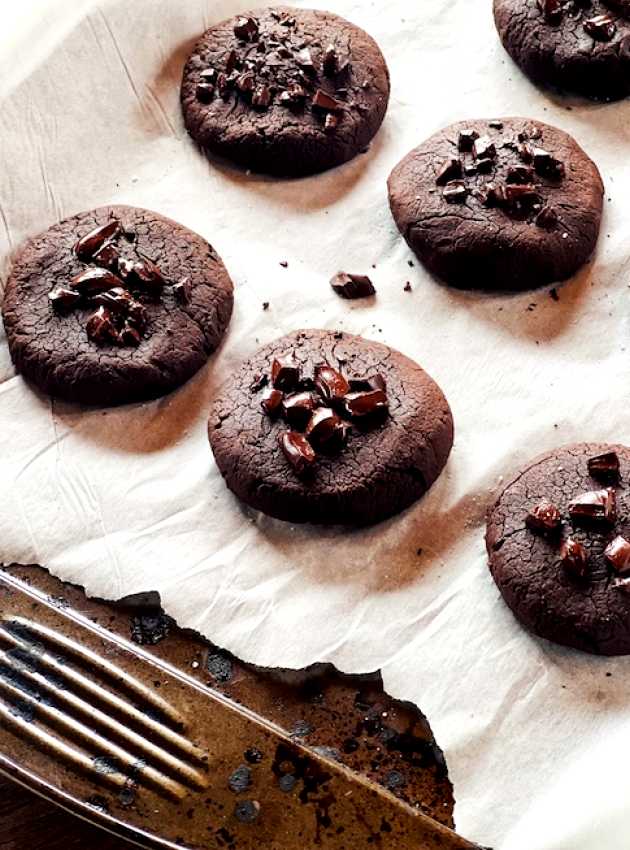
89 244
520 174
182 290
246 28
64 299
325 430
544 517
526 152
450 170
297 409
230 62
285 374
294 95
330 383
208 75
100 327
547 218
522 196
547 165
552 10
361 404
467 139
146 275
594 507
258 383
321 100
574 557
492 195
601 27
94 280
223 87
298 451
107 257
331 61
484 148
367 384
116 300
352 285
617 554
204 92
129 336
305 60
137 314
604 467
455 192
246 83
271 401
261 98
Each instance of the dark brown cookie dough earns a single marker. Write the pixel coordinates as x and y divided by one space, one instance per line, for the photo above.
549 542
130 322
503 204
579 45
383 464
285 91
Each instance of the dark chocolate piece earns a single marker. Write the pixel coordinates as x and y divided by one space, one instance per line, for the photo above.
63 299
325 429
331 61
94 280
358 405
604 467
117 300
526 196
148 276
182 290
496 125
246 28
107 257
305 61
450 170
547 218
100 327
544 517
321 100
261 97
297 409
547 165
352 285
367 384
285 374
467 139
617 554
520 174
455 192
89 244
597 506
204 92
484 148
295 95
129 335
330 383
601 27
271 401
331 122
574 557
552 10
297 450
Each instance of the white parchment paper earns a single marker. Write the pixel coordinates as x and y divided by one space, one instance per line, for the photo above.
536 737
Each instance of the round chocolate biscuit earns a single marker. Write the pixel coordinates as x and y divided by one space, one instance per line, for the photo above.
505 204
115 305
285 91
580 46
558 540
374 437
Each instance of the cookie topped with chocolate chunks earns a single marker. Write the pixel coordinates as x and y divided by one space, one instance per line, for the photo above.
505 204
115 305
558 540
327 427
285 91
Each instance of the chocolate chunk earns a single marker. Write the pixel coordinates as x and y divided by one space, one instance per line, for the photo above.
331 60
601 27
63 299
94 280
325 430
622 584
520 174
182 290
271 401
147 275
331 123
455 192
604 467
522 196
285 374
223 86
467 139
297 409
492 195
552 10
617 553
526 152
330 383
321 100
137 314
209 75
547 218
597 506
358 405
305 61
246 28
298 451
107 257
129 336
204 92
100 327
484 148
258 383
245 83
470 169
363 385
295 95
116 300
547 165
230 62
544 517
496 125
89 244
261 98
450 170
574 557
352 285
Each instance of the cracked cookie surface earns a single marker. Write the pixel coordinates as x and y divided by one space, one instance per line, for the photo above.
556 43
380 471
590 612
52 349
473 243
252 97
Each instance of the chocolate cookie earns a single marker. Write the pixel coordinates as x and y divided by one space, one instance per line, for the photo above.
285 91
559 545
327 427
115 305
507 204
580 45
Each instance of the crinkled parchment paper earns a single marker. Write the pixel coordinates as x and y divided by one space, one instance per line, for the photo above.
124 500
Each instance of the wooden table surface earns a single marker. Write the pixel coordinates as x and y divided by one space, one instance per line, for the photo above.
30 823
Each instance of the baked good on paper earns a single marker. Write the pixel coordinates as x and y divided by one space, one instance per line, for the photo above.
115 305
498 204
327 427
285 91
579 45
558 539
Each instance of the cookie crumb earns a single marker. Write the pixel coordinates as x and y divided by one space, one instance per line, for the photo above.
284 264
265 305
407 287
